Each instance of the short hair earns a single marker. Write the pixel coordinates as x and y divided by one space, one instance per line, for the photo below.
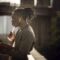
25 12
28 12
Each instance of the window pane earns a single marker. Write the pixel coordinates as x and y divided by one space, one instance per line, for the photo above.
5 26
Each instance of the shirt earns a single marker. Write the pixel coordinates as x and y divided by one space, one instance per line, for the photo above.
24 39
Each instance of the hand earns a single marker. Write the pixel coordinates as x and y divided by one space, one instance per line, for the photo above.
11 37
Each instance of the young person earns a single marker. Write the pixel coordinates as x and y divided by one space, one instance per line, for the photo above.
25 36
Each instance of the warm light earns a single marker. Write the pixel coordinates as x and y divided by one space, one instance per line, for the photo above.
15 1
35 2
4 0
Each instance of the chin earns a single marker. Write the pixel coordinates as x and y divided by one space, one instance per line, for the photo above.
15 25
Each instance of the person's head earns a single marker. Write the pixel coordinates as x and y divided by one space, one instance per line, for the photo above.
20 16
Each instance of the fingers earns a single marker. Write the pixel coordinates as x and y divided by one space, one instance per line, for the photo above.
11 37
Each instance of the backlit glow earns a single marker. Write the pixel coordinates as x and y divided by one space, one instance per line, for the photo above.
11 1
35 2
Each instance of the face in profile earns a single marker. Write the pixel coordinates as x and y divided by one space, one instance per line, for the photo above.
15 20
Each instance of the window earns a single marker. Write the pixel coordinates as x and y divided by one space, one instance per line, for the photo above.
13 2
5 26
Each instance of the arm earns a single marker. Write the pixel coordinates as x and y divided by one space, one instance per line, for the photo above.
26 42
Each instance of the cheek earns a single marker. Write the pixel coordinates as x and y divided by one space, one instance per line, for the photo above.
13 21
17 22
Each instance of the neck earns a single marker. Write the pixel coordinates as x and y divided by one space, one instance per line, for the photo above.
24 25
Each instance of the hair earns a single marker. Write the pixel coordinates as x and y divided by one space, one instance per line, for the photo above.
25 12
28 12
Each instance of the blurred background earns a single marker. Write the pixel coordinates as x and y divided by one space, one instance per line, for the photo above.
45 23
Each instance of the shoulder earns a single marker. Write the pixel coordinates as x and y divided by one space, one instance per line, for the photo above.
28 31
